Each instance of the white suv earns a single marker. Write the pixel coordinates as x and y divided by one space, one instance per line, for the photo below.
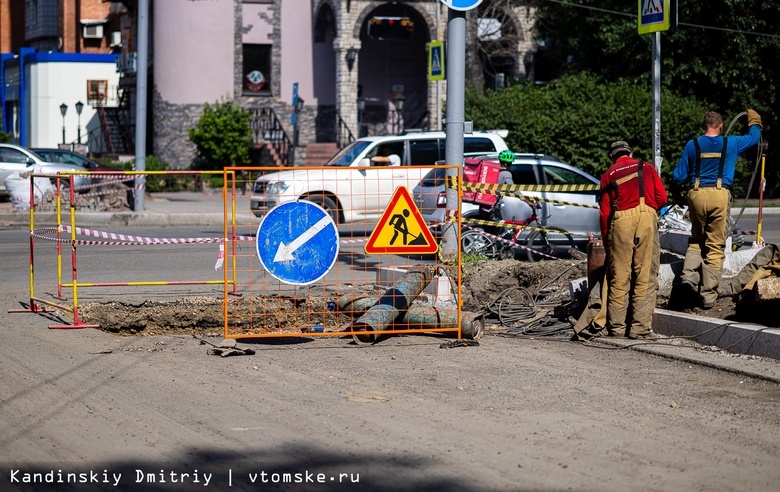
358 187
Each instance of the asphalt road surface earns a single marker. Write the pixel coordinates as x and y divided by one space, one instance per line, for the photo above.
157 413
770 229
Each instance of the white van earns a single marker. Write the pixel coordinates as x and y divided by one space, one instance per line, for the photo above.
359 187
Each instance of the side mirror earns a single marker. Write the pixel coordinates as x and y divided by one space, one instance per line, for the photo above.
30 161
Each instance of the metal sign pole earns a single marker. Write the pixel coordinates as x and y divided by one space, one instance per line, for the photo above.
140 103
456 84
657 101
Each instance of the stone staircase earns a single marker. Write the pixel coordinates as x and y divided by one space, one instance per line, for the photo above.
317 154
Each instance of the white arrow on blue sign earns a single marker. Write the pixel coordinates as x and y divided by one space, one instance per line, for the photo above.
297 242
461 4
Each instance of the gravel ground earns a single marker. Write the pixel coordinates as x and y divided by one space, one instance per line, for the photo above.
406 414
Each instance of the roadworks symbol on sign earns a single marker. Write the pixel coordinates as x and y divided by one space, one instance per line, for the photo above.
401 229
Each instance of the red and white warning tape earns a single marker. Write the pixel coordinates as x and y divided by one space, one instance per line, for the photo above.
124 239
128 240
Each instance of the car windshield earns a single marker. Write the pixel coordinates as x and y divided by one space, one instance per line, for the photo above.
348 154
37 155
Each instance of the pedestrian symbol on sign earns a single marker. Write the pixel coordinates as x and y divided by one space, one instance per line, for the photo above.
436 60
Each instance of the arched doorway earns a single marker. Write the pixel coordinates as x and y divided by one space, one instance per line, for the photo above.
392 72
324 66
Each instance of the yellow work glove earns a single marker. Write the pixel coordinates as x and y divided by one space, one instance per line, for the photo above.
754 118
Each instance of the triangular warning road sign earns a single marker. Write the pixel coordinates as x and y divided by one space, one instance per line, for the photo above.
401 229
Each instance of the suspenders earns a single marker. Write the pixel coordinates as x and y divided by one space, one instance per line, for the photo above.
709 155
639 174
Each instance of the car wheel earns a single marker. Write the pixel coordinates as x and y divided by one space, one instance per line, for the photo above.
327 204
477 243
548 241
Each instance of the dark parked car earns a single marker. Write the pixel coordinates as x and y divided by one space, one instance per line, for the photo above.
14 158
530 169
68 157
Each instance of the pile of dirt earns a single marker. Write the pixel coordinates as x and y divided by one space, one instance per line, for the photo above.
203 315
548 281
483 283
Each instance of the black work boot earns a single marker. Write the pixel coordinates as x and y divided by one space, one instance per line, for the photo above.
650 335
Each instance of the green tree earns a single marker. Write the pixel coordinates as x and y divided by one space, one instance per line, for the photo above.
725 53
222 136
576 117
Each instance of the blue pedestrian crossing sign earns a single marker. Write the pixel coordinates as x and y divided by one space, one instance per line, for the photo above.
297 242
461 4
436 60
656 15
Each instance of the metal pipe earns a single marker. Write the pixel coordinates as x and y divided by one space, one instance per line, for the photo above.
393 304
420 316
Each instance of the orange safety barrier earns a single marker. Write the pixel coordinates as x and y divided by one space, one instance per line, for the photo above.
327 251
71 234
342 251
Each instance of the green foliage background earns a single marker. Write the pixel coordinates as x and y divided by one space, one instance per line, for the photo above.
723 56
576 117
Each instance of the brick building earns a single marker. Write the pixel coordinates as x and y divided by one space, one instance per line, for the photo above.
356 66
54 57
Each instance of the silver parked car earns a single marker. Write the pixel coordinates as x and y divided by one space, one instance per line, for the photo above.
14 158
538 169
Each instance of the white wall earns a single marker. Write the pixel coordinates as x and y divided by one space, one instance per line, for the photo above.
297 61
54 83
197 63
258 16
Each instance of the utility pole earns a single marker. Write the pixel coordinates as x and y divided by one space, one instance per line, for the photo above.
140 103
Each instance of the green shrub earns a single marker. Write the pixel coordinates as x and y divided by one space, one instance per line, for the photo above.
575 118
222 136
159 182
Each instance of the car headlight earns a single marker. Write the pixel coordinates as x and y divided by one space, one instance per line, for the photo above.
276 188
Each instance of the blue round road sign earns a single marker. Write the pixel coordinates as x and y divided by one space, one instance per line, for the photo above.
461 4
297 242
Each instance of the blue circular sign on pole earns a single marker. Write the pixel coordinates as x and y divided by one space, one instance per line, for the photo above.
297 242
461 4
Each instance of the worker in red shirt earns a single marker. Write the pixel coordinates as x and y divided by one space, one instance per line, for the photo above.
631 194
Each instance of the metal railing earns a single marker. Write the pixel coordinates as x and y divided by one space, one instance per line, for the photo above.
266 127
344 136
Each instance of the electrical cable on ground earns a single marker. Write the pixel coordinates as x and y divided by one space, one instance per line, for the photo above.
529 316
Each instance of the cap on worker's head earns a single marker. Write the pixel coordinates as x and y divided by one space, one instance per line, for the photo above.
619 149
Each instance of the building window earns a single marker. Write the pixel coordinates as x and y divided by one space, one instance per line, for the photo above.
257 69
31 13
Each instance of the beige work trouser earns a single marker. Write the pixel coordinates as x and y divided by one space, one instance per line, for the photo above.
709 211
632 270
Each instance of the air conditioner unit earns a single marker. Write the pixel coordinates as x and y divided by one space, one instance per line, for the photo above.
93 31
116 39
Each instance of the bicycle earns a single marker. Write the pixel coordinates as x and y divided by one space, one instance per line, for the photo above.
541 242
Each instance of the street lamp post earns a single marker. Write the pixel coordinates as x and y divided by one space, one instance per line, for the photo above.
296 132
79 107
398 102
361 107
63 110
